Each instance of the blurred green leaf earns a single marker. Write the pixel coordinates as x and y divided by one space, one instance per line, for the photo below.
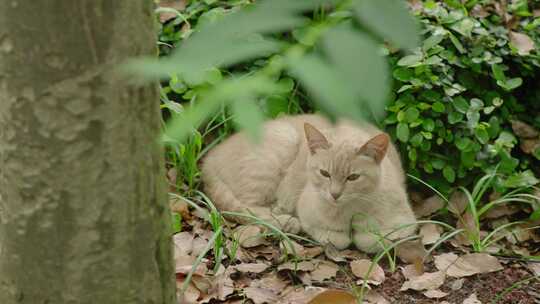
449 174
391 19
402 132
410 60
412 114
438 107
357 57
330 89
248 116
521 179
461 104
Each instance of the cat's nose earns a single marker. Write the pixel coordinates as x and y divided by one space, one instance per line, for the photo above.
335 195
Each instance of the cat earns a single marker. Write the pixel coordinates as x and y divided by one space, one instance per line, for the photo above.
340 184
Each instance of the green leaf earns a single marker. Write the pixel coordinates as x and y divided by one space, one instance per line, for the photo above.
438 163
431 42
410 60
403 74
508 163
520 180
357 58
481 134
535 215
417 139
457 44
248 116
176 222
402 132
412 114
391 20
455 117
276 104
463 143
449 174
498 72
536 153
428 124
464 27
438 107
460 104
511 83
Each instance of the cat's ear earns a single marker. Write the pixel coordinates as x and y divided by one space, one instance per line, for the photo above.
376 147
315 138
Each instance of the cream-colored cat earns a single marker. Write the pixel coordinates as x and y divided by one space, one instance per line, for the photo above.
308 174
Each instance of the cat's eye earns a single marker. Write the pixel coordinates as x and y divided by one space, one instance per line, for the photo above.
324 173
353 177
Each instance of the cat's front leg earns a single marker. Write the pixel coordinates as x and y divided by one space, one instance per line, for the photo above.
340 239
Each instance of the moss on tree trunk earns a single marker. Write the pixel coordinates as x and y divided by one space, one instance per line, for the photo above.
83 215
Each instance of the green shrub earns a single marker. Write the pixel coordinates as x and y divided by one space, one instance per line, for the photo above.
455 97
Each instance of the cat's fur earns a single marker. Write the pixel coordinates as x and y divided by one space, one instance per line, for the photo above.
280 180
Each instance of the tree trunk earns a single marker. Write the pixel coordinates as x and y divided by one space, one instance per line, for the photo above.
83 214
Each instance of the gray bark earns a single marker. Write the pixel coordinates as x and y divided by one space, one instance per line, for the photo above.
83 215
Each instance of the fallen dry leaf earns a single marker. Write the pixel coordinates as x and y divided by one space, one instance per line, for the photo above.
270 281
295 295
249 236
523 43
299 250
361 269
178 5
325 270
457 284
472 299
524 130
179 205
500 211
458 202
222 285
261 295
183 243
410 271
184 264
198 246
373 297
467 265
428 206
430 233
535 268
412 252
333 254
350 254
190 295
202 283
333 296
435 294
251 267
529 146
300 266
427 281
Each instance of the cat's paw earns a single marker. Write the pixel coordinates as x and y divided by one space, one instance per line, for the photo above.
340 240
289 224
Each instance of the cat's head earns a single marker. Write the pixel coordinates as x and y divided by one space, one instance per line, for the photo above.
341 170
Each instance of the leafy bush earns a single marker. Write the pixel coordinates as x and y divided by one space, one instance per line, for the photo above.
455 96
